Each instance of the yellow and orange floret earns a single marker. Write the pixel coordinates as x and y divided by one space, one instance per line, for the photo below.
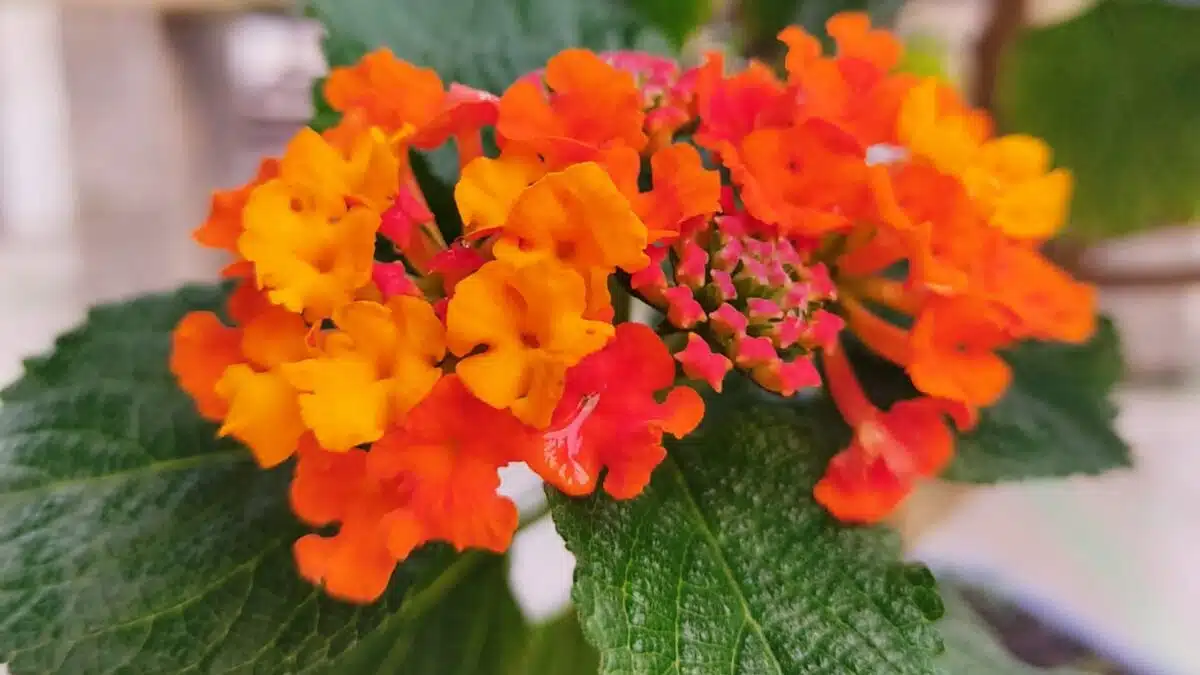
769 219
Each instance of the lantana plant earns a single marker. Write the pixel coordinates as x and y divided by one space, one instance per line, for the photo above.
731 317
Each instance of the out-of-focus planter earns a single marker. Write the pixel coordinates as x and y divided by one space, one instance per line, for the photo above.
1150 285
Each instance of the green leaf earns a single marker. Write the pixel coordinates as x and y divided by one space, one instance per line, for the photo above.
481 44
1113 92
133 541
726 564
558 647
1056 419
472 626
676 19
972 649
761 20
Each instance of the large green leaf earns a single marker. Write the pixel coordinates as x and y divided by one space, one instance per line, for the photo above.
481 44
726 564
558 647
132 541
677 20
1055 420
1114 92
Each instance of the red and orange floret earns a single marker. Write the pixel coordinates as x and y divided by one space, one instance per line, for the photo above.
401 384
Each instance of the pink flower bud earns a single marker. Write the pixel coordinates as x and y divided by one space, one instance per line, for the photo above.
824 327
751 352
763 309
701 363
788 331
722 281
693 265
392 279
682 309
786 378
727 320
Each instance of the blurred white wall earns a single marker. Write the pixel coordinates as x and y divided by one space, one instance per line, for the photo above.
37 196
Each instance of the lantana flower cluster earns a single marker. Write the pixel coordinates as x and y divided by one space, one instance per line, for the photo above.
769 219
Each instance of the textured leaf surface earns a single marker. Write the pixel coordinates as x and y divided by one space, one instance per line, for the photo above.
131 541
1114 92
482 43
727 566
1056 419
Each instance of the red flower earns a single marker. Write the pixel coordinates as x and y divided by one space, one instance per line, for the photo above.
609 417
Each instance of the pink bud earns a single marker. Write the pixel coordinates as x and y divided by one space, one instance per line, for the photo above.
693 265
455 264
797 296
651 281
762 309
786 378
822 284
787 254
777 275
722 281
824 327
756 271
727 320
701 363
788 331
758 248
399 223
392 280
728 256
682 309
750 352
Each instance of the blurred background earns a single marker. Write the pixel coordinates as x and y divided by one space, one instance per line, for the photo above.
117 117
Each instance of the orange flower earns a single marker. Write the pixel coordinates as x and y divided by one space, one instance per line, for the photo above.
890 450
446 455
576 217
433 478
353 565
805 179
683 190
233 373
379 363
592 106
954 352
390 93
610 419
224 225
201 349
852 91
311 232
530 321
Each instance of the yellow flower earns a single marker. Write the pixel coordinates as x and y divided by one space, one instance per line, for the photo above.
379 363
1007 177
530 322
1011 182
488 188
311 232
935 125
576 216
